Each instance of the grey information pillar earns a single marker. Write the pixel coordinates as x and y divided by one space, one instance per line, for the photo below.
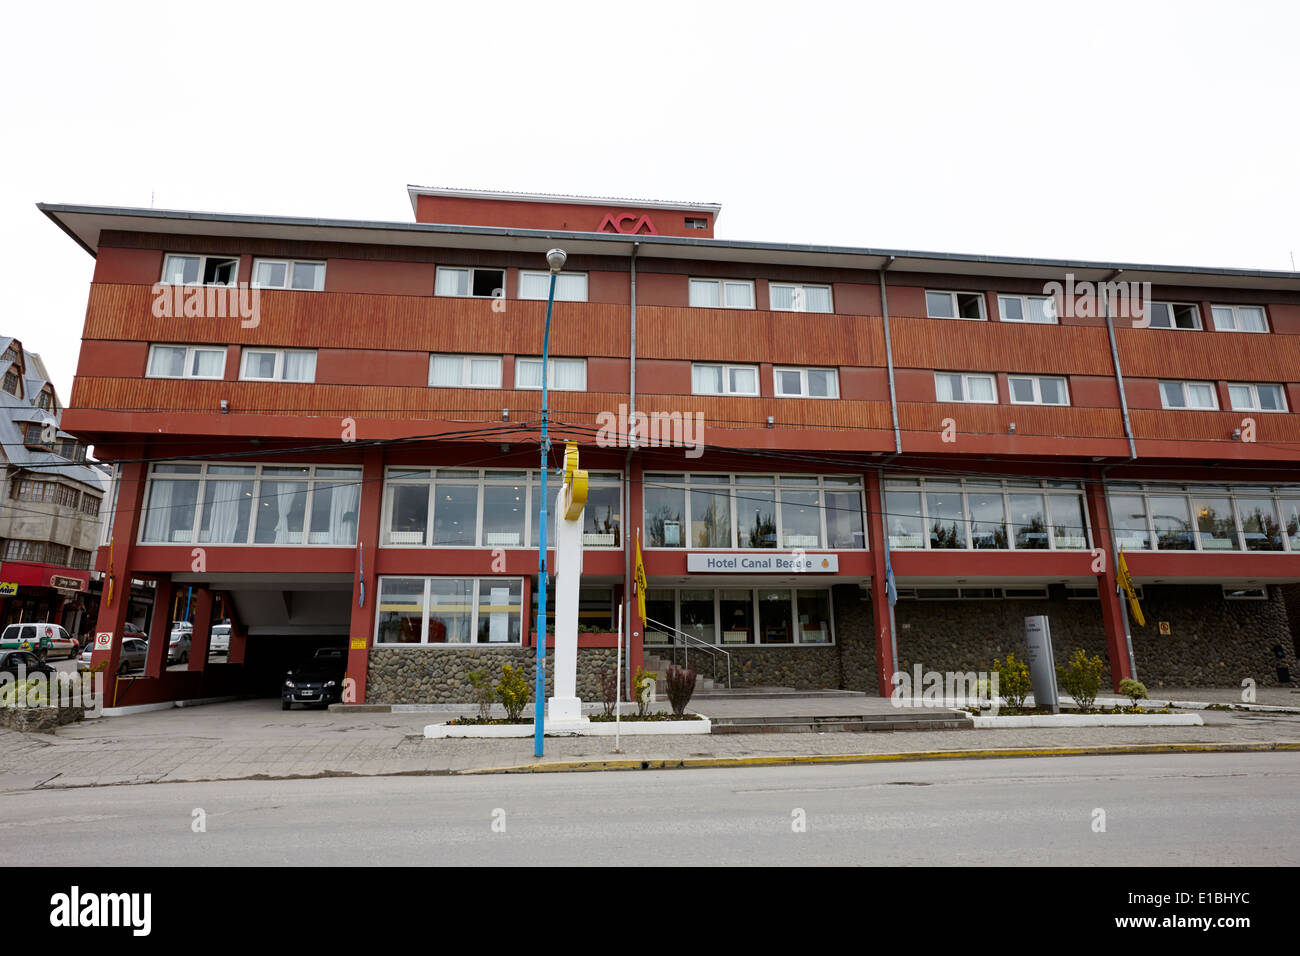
1042 662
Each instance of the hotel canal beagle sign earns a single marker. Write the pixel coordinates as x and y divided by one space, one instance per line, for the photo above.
782 563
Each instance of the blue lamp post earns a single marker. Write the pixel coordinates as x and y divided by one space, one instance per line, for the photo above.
555 259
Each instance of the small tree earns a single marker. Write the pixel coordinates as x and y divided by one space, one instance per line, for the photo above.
484 693
1013 681
681 685
1081 678
1134 690
641 682
608 690
512 691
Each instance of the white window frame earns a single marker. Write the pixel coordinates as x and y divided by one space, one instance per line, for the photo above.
1254 397
1174 326
965 388
952 301
477 582
465 369
470 283
1037 381
1186 406
830 296
278 375
803 381
726 378
719 631
203 266
552 360
289 266
722 285
1280 495
524 273
190 350
1050 310
1236 318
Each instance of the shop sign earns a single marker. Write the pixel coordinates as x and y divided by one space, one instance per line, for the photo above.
791 562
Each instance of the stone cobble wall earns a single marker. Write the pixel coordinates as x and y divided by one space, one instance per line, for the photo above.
1212 642
855 638
441 675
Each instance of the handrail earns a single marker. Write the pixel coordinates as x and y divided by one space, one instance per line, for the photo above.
699 642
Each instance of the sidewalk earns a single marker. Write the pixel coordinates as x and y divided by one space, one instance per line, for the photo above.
255 739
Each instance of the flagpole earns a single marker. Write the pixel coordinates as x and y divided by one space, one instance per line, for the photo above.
618 677
889 573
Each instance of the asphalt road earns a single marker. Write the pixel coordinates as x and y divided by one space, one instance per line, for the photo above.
1211 809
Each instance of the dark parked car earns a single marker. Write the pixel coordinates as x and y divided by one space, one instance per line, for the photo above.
11 661
318 680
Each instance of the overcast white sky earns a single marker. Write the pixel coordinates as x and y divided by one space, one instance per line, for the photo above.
1160 132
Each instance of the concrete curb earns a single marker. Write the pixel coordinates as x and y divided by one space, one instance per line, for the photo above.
673 763
1087 720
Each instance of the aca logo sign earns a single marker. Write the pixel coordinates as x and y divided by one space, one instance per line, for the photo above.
627 223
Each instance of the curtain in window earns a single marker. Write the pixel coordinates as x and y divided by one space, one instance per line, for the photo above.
164 360
739 295
157 522
485 372
782 297
535 285
345 500
570 288
706 379
981 389
222 502
209 363
568 376
271 275
817 299
446 370
704 294
299 366
744 381
1039 310
453 282
528 373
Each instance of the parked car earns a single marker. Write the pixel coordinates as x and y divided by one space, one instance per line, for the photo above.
178 647
219 639
26 661
132 657
134 630
47 640
318 680
182 626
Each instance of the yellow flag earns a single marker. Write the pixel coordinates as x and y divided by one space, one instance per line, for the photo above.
1125 581
640 579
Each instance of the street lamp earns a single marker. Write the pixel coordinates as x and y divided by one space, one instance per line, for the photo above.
555 259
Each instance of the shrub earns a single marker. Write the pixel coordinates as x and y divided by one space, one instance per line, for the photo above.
1134 690
681 684
31 692
608 690
641 682
1014 683
512 691
1081 678
484 693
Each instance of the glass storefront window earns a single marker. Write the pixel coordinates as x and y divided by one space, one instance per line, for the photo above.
775 617
451 610
988 519
736 615
947 516
1215 523
281 510
801 524
410 514
1128 518
1029 519
602 519
1173 523
169 513
1259 525
697 614
1291 518
665 517
401 611
1068 527
844 519
505 513
499 604
711 518
660 609
455 514
756 517
903 518
814 617
227 506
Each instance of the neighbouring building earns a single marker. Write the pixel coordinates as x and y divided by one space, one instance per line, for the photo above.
49 510
332 427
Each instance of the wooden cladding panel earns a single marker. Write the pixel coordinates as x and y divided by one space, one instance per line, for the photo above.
743 335
1031 420
342 320
1222 356
732 412
964 345
1212 426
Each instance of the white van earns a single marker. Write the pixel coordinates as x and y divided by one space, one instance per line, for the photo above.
50 639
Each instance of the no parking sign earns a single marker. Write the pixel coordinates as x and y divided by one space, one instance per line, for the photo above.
103 640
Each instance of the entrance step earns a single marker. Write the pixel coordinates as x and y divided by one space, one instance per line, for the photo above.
850 723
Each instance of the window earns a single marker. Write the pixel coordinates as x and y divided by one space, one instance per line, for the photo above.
1239 318
33 435
186 361
722 293
90 505
45 400
80 559
774 616
569 286
806 382
724 511
11 382
724 379
1245 594
289 274
1174 315
251 504
37 552
1038 390
960 387
794 297
984 514
1167 517
1199 395
475 283
954 305
449 611
1037 309
465 371
1257 398
489 508
195 270
278 365
564 374
696 223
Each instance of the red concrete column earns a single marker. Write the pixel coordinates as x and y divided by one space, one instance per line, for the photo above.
876 530
117 570
635 627
365 581
238 635
160 626
202 629
1112 612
